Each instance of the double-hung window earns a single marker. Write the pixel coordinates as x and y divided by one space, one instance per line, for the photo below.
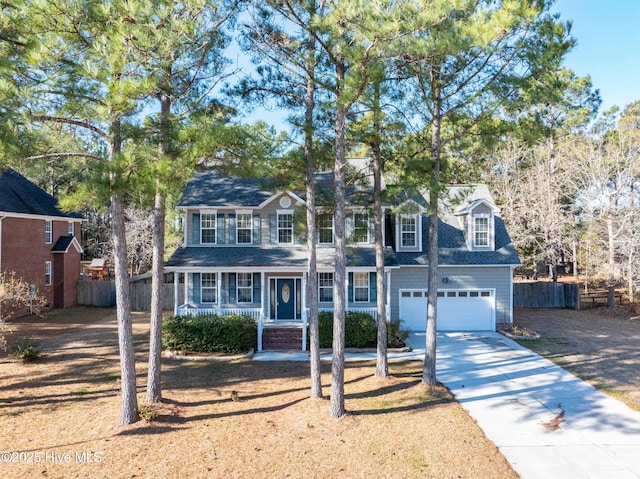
47 273
325 287
70 229
481 231
47 232
361 287
244 230
285 227
209 288
325 228
408 231
360 227
244 288
208 228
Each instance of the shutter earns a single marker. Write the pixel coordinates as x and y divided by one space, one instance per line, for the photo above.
350 295
232 288
372 227
196 288
256 229
196 228
232 229
256 288
220 229
373 287
273 228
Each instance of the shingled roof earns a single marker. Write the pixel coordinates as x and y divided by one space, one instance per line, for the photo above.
21 196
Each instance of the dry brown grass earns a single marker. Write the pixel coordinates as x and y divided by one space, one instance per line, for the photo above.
598 345
68 403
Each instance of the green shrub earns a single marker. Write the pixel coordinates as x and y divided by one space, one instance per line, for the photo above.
360 329
25 350
396 334
210 334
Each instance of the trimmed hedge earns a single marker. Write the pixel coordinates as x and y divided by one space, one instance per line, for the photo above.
360 329
210 334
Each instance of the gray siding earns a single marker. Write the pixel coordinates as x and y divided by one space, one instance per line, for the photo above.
498 278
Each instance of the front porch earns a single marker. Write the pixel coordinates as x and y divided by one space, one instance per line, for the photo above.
275 298
273 334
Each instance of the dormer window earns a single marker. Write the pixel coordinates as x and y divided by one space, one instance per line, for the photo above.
208 228
325 228
408 231
481 231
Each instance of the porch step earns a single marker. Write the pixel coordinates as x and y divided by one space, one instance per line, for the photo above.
280 339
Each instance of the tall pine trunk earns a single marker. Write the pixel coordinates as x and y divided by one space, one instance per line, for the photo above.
382 363
128 391
154 387
429 369
312 280
336 406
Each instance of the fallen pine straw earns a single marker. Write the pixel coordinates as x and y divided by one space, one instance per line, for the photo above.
229 419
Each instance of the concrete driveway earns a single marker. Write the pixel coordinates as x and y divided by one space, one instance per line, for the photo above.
546 422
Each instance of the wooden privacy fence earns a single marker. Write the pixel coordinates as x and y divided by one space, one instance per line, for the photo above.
103 294
546 295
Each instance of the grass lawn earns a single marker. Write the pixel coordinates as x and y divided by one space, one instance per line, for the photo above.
598 345
62 414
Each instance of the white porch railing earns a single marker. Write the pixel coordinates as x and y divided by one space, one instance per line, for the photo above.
186 310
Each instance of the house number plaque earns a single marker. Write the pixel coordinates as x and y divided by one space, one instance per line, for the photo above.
286 293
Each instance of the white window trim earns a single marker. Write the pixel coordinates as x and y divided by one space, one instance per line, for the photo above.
250 214
281 213
48 231
355 287
214 288
489 219
364 213
333 229
326 287
215 226
250 288
71 228
48 273
418 232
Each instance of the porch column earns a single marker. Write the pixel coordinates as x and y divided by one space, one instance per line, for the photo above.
219 288
388 288
176 283
346 291
263 294
186 288
305 317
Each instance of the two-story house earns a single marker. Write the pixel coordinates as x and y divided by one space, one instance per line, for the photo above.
38 242
245 251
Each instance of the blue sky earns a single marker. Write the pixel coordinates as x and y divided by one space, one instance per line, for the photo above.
608 46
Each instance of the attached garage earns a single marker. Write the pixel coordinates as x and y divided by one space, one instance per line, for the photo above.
458 310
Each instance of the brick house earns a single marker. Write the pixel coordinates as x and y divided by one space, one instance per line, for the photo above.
38 241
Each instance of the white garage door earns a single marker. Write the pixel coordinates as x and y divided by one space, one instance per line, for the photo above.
458 310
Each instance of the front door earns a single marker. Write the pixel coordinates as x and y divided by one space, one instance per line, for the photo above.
285 306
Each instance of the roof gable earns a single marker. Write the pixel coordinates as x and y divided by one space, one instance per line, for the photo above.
63 244
21 196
